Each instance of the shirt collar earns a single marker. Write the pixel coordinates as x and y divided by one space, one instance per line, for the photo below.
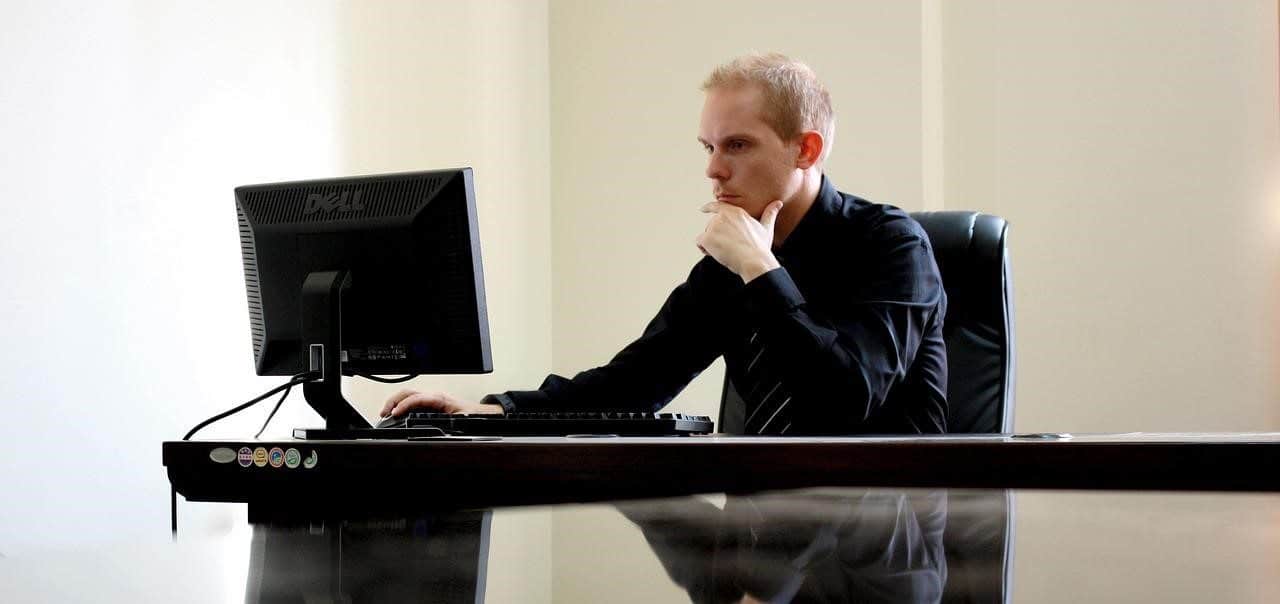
826 204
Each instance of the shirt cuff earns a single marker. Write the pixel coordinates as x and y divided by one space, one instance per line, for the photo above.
508 405
771 294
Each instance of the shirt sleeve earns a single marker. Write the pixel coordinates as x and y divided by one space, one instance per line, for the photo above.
843 359
677 345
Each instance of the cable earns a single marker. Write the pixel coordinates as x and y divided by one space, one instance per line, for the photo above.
398 380
273 411
294 381
297 379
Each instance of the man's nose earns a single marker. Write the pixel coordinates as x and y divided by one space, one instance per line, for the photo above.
716 168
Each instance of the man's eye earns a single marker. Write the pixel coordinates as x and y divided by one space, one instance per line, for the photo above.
707 148
737 145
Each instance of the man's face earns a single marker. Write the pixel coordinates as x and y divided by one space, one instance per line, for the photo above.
748 164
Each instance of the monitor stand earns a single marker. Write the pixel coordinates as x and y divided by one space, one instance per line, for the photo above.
322 341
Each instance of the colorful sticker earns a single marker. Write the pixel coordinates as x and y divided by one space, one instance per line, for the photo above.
245 457
222 455
260 457
311 460
277 457
292 458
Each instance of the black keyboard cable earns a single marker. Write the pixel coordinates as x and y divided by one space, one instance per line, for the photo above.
286 387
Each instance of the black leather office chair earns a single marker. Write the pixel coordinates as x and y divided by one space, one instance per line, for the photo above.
972 256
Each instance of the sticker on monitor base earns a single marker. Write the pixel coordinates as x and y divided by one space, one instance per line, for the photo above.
277 457
222 455
245 457
311 460
292 458
260 457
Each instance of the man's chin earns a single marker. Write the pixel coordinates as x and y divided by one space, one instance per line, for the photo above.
752 208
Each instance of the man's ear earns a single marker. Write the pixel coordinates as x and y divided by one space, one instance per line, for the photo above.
811 146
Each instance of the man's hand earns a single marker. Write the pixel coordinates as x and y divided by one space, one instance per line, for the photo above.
407 400
738 241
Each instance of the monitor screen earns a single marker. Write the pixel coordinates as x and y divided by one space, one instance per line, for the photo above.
400 254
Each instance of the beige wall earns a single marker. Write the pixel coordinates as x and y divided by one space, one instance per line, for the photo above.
1134 147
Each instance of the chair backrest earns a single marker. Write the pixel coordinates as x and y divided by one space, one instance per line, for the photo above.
973 257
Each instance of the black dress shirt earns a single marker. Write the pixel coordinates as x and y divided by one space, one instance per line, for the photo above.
853 320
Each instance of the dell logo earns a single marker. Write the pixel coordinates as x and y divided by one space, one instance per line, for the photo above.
333 202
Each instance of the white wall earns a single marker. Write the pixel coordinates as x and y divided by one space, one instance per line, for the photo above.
125 128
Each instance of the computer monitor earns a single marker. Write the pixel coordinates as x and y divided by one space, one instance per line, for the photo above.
366 275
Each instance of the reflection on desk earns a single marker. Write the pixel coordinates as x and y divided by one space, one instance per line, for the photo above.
1071 546
868 547
430 558
847 546
834 546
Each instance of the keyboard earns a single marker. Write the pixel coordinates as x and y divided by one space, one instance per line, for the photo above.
567 423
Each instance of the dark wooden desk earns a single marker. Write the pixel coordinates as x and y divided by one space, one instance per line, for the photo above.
392 476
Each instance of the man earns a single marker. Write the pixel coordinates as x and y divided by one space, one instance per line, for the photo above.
827 308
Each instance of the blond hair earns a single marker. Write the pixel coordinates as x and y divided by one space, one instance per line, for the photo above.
794 100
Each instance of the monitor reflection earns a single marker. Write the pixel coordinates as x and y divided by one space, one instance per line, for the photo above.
430 558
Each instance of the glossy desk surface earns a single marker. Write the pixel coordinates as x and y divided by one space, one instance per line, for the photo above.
835 545
453 473
985 518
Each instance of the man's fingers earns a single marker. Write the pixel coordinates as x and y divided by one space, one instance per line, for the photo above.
395 399
418 399
770 213
402 408
711 207
700 241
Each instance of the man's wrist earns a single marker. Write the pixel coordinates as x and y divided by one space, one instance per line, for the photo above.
757 268
501 401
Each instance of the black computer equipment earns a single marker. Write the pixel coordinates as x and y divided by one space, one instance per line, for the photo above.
366 275
559 423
